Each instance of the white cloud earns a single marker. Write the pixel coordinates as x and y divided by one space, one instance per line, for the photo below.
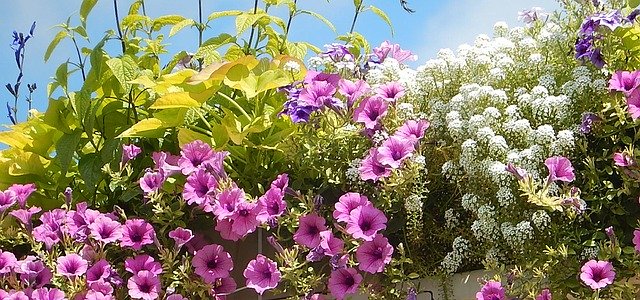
461 21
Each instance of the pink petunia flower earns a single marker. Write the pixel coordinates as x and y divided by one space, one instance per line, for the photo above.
94 295
212 262
193 155
176 297
137 233
33 272
597 274
166 163
271 205
142 262
7 199
560 168
394 151
365 222
374 255
71 265
262 274
245 218
129 152
151 181
47 294
224 285
99 271
622 159
371 168
544 295
226 202
317 94
309 228
200 187
181 236
106 230
343 282
413 130
281 182
7 262
388 50
353 90
370 112
633 104
391 91
330 244
636 240
519 173
225 228
25 215
347 203
17 295
492 290
624 81
144 285
22 192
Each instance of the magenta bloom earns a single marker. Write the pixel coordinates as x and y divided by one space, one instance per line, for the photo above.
519 173
100 271
560 168
166 163
271 205
212 262
413 130
394 151
309 228
262 274
106 230
347 203
353 90
318 93
597 274
151 181
33 272
330 244
22 192
223 286
17 295
633 104
144 285
7 262
93 295
7 199
343 282
200 187
622 159
636 239
371 168
71 265
391 91
374 255
137 233
193 155
370 112
544 295
281 181
624 81
245 218
492 290
227 201
129 152
224 227
181 236
313 76
365 222
176 297
388 50
142 262
47 294
25 215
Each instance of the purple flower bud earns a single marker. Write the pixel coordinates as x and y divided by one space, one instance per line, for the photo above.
588 120
274 243
609 231
316 254
412 294
318 201
519 173
129 152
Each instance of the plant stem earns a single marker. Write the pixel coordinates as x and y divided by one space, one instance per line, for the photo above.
115 9
200 25
144 10
253 28
80 62
355 17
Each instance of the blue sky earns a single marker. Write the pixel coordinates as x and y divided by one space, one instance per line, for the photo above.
435 24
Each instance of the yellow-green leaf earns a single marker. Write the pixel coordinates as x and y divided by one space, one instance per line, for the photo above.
226 13
54 43
177 100
85 9
382 16
320 17
246 20
186 136
181 25
166 20
150 127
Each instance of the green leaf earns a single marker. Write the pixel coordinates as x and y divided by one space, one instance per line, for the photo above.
633 3
66 148
321 18
357 3
85 9
90 167
181 25
175 100
186 136
208 51
62 74
124 69
226 13
165 21
151 128
382 16
247 20
54 43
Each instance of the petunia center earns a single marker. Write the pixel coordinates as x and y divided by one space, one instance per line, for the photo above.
349 281
365 225
212 264
144 287
266 275
244 212
136 237
377 253
597 275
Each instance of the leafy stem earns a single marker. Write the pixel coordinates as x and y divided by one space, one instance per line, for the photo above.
253 27
200 24
355 16
80 61
115 9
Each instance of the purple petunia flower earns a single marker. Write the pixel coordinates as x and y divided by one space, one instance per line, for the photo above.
371 168
225 228
200 188
365 222
129 152
176 297
224 285
519 173
492 290
343 282
391 91
346 204
181 236
544 295
7 199
225 204
212 262
597 274
33 272
25 215
312 76
22 192
193 155
394 151
588 119
142 262
309 228
106 230
71 265
636 240
370 112
93 295
137 233
374 255
531 15
50 231
166 162
633 104
388 50
262 274
99 271
7 262
245 218
151 181
330 244
622 159
317 94
585 49
47 294
353 90
413 130
337 52
144 285
271 205
560 168
624 81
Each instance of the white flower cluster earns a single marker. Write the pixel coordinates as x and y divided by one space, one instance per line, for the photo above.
353 174
451 217
541 219
516 236
454 259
